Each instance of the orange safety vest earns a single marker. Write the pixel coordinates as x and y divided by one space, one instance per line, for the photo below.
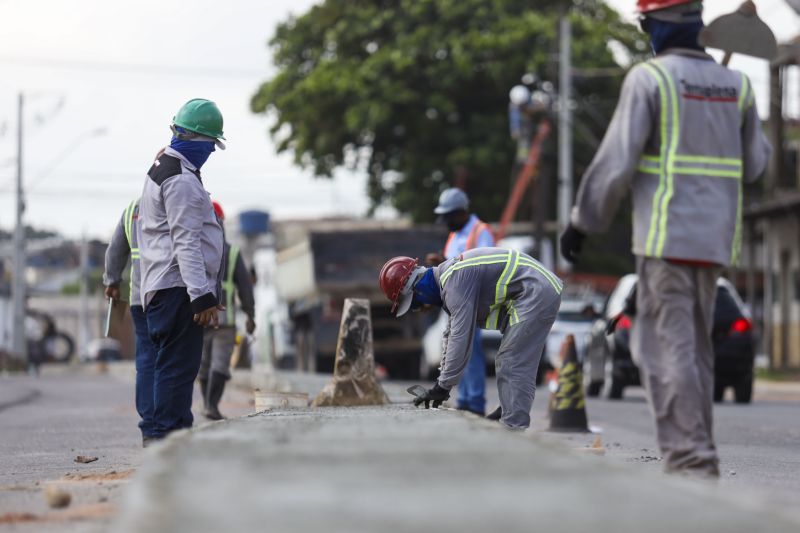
472 239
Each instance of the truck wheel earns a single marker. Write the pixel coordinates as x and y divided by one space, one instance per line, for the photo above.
593 388
616 390
719 391
743 391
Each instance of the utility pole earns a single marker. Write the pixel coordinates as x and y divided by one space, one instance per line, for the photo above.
564 129
83 311
20 345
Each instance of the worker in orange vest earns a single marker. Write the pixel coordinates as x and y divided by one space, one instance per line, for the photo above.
467 232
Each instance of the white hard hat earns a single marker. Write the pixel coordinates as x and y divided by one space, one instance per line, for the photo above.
452 199
519 95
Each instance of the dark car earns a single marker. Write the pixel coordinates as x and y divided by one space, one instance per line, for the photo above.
609 358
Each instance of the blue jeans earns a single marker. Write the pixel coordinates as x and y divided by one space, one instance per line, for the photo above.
145 363
472 387
178 341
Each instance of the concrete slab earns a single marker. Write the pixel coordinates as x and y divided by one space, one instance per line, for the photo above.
400 469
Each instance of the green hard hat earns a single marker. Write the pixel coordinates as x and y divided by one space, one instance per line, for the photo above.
200 116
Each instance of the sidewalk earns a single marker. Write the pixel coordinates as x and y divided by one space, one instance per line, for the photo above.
397 468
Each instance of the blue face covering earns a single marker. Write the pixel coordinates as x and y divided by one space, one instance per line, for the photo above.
664 35
426 291
196 152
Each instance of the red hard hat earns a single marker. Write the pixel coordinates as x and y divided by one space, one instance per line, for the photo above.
218 210
646 6
393 278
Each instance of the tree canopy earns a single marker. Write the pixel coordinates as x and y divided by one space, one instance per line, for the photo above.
415 92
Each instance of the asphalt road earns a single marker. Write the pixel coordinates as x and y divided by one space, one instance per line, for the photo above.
757 443
47 421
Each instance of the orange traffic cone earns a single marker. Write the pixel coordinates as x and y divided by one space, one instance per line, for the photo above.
568 406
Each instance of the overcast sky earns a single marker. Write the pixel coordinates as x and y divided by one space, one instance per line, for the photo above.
103 80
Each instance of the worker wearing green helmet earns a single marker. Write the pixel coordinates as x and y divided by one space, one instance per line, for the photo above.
181 250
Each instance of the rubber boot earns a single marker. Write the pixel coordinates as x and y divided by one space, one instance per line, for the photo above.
216 386
203 384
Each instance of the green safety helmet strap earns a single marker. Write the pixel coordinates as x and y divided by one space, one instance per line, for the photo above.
200 116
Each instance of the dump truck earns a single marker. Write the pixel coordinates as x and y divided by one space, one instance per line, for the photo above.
315 275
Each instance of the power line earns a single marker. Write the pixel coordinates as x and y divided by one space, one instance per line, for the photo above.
131 68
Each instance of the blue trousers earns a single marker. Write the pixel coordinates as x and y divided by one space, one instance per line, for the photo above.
472 387
178 342
145 363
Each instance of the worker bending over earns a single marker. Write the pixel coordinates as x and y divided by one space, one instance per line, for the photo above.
488 288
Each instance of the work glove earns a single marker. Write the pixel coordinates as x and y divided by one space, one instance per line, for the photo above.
436 394
571 243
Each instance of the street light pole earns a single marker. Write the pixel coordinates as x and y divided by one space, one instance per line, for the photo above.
20 345
564 129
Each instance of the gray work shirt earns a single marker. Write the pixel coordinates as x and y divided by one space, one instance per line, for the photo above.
181 238
488 288
684 137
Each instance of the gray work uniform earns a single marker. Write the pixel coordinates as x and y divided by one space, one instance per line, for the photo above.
124 244
181 238
218 343
684 137
496 288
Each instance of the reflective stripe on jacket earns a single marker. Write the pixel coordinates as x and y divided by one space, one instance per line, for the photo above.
684 136
489 288
228 287
124 245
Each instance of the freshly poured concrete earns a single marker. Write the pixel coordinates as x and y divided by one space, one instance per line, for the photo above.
397 468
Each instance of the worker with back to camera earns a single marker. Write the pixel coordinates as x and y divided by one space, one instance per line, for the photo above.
683 139
489 288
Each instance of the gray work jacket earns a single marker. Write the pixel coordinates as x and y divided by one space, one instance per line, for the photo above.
181 238
488 288
124 244
684 136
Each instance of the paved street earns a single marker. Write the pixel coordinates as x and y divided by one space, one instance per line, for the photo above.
45 422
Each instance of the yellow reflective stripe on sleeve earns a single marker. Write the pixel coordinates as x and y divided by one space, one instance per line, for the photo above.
129 222
544 272
671 152
651 234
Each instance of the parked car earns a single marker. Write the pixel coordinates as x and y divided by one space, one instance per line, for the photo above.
609 361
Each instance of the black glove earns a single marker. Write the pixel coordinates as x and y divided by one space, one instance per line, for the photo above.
571 243
436 394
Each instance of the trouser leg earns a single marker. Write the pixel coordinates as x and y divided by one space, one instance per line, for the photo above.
671 341
518 362
179 343
472 387
222 345
145 362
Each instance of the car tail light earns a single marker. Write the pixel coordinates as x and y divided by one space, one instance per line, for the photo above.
624 322
741 325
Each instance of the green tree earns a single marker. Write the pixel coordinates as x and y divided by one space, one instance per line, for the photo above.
415 92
